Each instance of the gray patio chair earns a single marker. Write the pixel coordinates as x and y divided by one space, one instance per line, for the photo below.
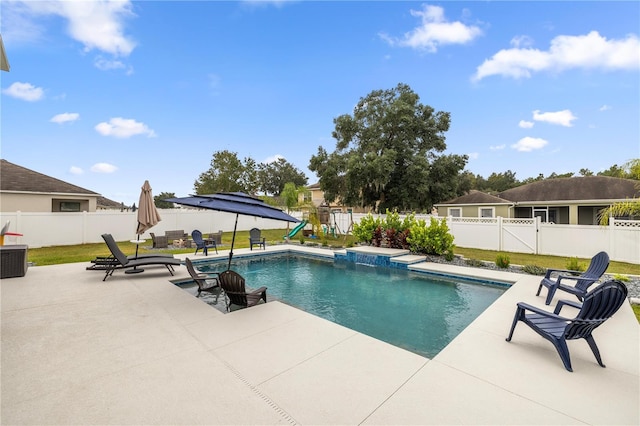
255 239
206 282
122 261
233 285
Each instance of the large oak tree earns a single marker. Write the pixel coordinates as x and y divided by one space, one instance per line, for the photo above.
387 155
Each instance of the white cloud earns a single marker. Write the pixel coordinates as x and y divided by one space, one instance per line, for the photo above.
605 107
497 147
525 124
76 170
473 155
123 128
591 51
528 144
103 168
24 91
65 117
434 31
272 159
562 118
521 41
95 24
107 64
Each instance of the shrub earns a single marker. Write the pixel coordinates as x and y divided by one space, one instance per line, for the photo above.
377 237
502 260
534 269
449 255
573 264
621 277
349 244
392 221
432 239
301 239
474 262
365 228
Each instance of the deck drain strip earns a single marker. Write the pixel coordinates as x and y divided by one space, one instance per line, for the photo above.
262 396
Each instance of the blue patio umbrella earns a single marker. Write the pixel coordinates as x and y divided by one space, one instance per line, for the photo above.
234 202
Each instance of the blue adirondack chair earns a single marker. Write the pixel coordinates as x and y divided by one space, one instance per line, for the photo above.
201 244
574 282
598 306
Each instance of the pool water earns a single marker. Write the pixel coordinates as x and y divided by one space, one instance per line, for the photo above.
403 308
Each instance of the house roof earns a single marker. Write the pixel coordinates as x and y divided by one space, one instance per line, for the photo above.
107 203
20 179
561 189
573 189
477 197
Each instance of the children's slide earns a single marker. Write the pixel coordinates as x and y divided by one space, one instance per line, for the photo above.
295 230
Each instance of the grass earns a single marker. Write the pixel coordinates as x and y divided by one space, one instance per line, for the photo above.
636 310
86 252
545 261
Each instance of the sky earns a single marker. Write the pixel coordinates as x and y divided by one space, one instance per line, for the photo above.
108 94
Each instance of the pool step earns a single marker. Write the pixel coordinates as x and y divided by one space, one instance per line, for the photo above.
403 262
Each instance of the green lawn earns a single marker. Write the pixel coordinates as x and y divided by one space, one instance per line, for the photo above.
85 252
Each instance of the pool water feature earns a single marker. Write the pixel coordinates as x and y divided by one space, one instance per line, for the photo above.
407 309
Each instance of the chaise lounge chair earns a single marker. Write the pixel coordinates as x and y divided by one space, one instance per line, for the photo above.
233 285
598 306
574 282
122 261
201 244
206 282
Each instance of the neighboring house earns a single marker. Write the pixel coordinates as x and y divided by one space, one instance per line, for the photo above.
22 189
106 204
575 200
315 196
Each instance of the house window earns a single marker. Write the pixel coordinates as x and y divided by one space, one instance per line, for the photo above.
486 211
455 212
69 206
307 197
542 213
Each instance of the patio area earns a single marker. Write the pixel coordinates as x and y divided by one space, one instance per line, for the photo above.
137 349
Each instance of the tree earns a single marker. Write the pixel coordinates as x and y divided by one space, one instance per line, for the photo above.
498 182
613 171
386 154
158 200
228 174
290 195
623 209
585 172
555 175
273 176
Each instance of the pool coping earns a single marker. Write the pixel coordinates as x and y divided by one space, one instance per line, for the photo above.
139 350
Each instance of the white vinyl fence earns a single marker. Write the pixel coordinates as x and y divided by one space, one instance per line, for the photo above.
52 229
621 239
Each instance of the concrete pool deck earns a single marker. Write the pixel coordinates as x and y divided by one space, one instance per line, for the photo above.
137 349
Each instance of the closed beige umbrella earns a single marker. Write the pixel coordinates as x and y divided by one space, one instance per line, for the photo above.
148 215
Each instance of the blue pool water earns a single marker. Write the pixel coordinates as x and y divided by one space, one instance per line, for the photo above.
406 309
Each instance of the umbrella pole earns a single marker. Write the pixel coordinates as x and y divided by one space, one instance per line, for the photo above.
233 240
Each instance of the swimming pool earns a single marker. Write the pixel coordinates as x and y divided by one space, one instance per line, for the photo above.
407 309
